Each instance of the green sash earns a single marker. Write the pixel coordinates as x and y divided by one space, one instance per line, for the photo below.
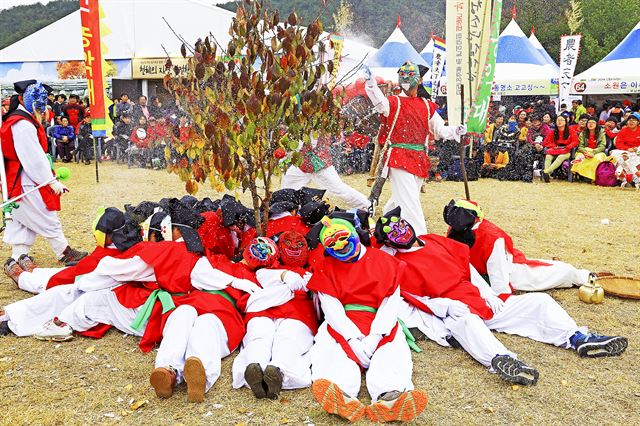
411 341
409 146
145 312
223 294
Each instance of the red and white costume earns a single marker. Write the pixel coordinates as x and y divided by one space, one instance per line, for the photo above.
438 277
317 166
280 327
373 281
24 145
286 221
494 255
417 125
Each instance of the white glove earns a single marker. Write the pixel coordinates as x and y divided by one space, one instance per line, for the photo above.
372 341
539 139
307 277
366 72
245 285
361 351
457 309
461 130
495 303
293 281
58 187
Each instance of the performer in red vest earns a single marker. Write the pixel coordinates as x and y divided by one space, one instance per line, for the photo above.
358 289
410 124
281 321
503 266
24 146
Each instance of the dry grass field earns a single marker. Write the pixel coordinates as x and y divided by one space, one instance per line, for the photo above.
94 382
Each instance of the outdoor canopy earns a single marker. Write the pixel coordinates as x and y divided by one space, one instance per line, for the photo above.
427 52
392 54
616 73
536 43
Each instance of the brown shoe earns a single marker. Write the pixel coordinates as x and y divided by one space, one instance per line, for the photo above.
273 380
196 378
71 256
254 377
27 263
163 381
13 269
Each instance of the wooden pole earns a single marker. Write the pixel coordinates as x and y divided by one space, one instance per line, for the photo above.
463 168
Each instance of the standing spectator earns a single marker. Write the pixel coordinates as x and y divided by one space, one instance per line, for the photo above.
590 151
141 109
490 132
125 106
64 136
156 109
61 101
51 99
559 144
577 109
85 139
73 111
611 131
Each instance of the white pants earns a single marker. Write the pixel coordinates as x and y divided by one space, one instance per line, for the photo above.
30 219
36 281
187 335
27 316
541 278
326 179
432 326
405 192
534 315
283 343
390 367
99 307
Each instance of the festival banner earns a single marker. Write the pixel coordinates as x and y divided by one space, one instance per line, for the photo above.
94 65
457 29
477 118
337 43
437 63
479 33
150 68
569 50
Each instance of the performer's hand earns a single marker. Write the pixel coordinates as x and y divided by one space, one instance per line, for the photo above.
245 285
293 281
457 309
366 72
461 130
361 352
372 341
307 277
495 303
58 187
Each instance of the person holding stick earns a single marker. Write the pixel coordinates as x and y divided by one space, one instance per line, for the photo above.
26 167
409 124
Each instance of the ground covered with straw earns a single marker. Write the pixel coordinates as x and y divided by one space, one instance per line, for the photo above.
106 381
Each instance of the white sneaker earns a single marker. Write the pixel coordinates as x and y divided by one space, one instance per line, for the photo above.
55 330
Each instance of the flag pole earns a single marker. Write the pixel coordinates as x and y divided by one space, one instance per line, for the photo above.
463 168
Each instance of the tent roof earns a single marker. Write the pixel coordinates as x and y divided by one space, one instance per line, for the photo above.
515 48
394 52
536 43
427 52
615 73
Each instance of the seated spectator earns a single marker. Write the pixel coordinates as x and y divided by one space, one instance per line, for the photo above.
617 111
116 147
156 109
628 169
628 138
85 139
548 120
559 144
580 125
604 113
489 133
495 158
535 138
74 111
611 131
141 137
591 110
590 153
125 106
160 139
521 118
508 134
61 101
64 136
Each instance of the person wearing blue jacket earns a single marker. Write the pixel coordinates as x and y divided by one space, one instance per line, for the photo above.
65 137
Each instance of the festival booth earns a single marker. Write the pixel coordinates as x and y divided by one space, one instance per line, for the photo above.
618 73
427 52
536 43
395 51
520 69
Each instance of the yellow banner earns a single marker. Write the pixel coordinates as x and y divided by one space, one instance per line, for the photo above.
154 68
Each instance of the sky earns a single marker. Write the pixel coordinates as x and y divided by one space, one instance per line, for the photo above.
6 4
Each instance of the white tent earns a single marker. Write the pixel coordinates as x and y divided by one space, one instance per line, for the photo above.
392 54
520 68
427 52
536 43
616 73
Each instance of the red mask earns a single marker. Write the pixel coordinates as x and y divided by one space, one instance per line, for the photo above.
293 249
261 252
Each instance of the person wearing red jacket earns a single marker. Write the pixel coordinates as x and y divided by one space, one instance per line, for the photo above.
358 289
281 321
628 138
73 111
558 144
409 125
283 213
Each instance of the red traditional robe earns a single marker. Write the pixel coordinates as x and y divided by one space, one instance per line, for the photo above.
367 281
440 268
287 223
84 266
486 235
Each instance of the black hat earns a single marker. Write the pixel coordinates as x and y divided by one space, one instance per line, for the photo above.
233 212
358 218
21 86
127 236
140 212
461 221
312 212
307 195
206 205
111 219
188 222
283 200
189 201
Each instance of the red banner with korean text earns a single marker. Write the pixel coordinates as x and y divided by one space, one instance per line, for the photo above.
92 45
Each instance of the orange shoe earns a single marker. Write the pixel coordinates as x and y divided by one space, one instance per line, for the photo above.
196 378
405 407
163 381
334 401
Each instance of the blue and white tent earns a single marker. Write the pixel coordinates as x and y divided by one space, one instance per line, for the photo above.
616 73
427 53
534 41
520 68
392 54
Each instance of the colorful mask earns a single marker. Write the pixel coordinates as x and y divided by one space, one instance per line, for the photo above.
261 252
408 76
293 249
340 239
398 232
159 222
35 98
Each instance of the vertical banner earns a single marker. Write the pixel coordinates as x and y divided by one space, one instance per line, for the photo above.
337 43
569 50
96 82
476 122
457 28
479 32
437 64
